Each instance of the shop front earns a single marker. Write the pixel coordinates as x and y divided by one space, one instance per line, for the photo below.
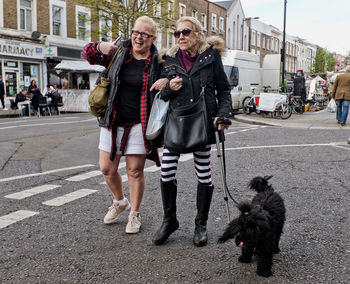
20 63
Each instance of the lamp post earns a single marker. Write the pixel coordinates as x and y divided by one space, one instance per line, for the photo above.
283 58
244 19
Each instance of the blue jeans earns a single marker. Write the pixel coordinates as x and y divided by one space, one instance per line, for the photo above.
342 110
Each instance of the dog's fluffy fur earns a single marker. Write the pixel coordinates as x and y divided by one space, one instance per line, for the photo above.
259 227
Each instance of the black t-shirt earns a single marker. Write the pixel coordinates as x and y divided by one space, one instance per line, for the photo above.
129 92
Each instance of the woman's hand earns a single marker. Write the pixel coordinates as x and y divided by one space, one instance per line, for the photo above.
106 47
175 84
159 84
221 126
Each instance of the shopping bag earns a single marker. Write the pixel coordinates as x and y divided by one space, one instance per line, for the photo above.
157 117
331 106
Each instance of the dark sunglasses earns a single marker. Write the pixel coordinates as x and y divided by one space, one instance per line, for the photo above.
185 32
142 34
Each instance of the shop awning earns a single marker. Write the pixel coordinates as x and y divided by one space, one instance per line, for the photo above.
78 66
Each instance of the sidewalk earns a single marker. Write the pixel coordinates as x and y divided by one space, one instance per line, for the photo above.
308 120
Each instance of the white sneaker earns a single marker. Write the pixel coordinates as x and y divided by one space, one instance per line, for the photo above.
134 223
5 108
114 212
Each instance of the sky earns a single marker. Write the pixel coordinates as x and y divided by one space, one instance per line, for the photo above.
322 22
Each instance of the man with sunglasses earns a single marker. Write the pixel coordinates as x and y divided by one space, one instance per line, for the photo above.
123 126
183 66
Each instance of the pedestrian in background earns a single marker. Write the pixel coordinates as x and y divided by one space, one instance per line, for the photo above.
31 88
123 125
183 66
299 86
2 93
341 94
83 85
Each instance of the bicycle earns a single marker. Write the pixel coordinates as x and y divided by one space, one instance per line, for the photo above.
283 109
296 103
249 104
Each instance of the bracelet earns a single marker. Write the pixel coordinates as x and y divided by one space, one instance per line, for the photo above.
98 48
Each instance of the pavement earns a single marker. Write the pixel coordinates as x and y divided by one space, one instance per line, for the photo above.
309 120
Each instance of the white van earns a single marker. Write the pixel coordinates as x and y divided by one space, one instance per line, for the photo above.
244 73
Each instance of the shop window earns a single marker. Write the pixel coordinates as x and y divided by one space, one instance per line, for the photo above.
30 72
26 15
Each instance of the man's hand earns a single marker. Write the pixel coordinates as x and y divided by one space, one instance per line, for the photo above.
106 47
159 84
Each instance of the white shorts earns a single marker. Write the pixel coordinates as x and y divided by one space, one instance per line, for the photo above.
135 144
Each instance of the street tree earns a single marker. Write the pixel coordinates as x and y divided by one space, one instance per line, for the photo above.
324 61
112 18
331 62
346 60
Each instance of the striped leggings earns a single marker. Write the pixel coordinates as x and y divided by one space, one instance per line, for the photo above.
201 165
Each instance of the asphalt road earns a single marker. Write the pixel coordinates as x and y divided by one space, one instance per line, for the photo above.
49 240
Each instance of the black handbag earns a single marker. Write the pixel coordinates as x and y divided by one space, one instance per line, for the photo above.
187 128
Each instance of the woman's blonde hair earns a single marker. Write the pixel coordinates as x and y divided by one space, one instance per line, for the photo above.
196 25
146 19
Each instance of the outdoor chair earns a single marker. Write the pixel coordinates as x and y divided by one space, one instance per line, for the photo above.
14 107
43 106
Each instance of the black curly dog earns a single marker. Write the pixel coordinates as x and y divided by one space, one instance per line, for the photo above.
259 227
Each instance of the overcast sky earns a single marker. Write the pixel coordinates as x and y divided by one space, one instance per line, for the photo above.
322 22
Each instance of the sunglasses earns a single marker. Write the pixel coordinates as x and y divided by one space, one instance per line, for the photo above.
142 34
185 32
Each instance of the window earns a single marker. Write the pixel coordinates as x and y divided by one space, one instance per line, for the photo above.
158 42
258 39
1 18
182 10
268 43
157 8
170 39
221 25
204 21
56 20
106 27
194 14
213 22
263 42
58 25
125 3
142 5
253 37
82 20
171 10
26 15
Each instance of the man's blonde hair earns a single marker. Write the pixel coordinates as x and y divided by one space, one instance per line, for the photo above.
146 19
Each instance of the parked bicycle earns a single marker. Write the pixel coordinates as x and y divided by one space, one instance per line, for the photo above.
283 109
296 103
249 103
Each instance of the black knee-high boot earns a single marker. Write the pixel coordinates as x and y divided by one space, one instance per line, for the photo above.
204 195
170 223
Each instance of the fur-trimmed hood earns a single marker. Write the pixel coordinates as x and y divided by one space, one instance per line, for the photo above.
215 42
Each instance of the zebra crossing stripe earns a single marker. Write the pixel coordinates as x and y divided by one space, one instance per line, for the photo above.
14 217
61 200
84 176
124 179
32 191
45 173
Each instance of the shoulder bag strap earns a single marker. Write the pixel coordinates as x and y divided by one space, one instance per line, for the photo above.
111 63
203 78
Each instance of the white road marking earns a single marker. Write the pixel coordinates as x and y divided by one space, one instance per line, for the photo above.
46 173
124 179
69 197
32 191
14 217
276 146
48 123
84 176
